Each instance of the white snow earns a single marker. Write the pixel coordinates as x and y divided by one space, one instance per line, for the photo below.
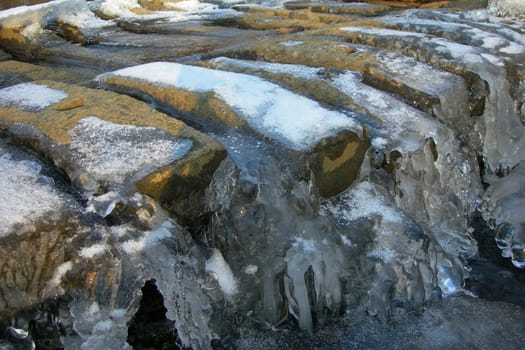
111 152
93 251
29 96
118 8
382 32
507 8
148 239
60 272
221 271
25 196
277 113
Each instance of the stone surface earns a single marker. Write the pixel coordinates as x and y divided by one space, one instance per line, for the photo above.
178 184
332 141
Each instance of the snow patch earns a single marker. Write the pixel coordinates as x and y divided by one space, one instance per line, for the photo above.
292 43
147 240
221 271
30 97
17 208
60 272
93 251
277 113
111 152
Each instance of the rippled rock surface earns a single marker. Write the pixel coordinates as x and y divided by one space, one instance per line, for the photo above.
201 175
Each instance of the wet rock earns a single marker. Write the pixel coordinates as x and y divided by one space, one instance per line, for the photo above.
175 169
333 142
506 8
35 233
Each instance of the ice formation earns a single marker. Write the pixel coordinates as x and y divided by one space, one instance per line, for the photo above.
29 96
507 8
221 271
273 111
504 207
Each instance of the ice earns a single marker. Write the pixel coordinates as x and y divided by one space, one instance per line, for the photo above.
18 209
504 208
93 251
29 96
221 271
60 272
382 32
274 112
110 153
507 8
292 43
148 238
118 8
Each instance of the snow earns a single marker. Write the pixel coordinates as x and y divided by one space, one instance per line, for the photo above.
250 269
507 8
221 271
118 8
147 240
111 152
30 96
93 251
60 272
382 32
364 201
26 10
277 113
17 208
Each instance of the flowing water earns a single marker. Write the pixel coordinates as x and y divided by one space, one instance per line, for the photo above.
395 260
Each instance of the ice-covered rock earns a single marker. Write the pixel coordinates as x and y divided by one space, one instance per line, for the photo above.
333 141
507 8
503 207
106 148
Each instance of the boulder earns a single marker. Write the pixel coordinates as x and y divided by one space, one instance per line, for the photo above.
108 142
332 142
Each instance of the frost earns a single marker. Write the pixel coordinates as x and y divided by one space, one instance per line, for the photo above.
18 209
29 96
93 251
306 245
110 152
274 112
222 272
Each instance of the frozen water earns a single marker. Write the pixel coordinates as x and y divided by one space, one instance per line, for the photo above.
18 209
29 96
221 271
504 207
507 8
274 112
108 162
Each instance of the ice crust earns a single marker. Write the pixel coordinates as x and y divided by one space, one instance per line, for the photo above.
18 209
274 112
503 135
29 96
222 273
138 149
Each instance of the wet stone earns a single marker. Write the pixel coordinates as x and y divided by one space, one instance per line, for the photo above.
333 141
170 157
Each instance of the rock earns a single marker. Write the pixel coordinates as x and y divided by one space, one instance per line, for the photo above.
507 8
175 166
35 233
332 141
